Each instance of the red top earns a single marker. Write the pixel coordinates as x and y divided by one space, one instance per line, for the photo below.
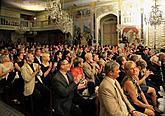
77 71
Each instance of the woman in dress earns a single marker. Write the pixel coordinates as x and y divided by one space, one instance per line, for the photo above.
133 91
46 67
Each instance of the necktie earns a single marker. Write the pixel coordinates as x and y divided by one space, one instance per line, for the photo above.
66 78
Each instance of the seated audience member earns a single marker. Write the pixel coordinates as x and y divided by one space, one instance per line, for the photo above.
134 58
113 102
133 91
121 60
156 80
145 55
63 87
162 60
148 91
33 85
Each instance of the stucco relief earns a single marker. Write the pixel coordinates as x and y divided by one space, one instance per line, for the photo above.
103 10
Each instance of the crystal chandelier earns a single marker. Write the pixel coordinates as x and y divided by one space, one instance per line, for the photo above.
59 17
20 29
155 15
155 18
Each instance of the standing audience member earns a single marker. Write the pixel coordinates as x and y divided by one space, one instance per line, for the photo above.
6 72
6 67
46 67
57 57
90 72
18 82
77 72
33 85
63 87
37 58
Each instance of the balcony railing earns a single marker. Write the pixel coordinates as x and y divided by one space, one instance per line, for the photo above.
9 23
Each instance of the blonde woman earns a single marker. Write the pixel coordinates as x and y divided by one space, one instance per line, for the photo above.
6 66
46 67
133 91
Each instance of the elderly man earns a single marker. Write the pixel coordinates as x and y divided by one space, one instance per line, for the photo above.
33 85
113 102
90 72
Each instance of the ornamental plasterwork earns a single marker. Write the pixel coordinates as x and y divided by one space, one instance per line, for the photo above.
103 10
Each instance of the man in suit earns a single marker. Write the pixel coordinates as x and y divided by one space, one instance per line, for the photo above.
113 102
63 88
37 58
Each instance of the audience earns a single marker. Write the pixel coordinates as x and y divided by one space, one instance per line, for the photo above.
61 72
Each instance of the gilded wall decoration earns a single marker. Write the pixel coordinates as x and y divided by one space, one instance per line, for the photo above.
82 26
130 34
103 10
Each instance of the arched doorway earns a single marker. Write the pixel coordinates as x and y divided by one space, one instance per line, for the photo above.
108 30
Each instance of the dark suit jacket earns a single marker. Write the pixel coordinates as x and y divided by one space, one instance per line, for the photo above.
63 93
36 60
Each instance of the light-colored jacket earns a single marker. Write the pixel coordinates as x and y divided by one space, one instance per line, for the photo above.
89 72
29 81
109 101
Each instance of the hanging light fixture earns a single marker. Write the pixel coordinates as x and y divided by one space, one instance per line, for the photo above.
59 16
22 27
155 18
54 9
155 15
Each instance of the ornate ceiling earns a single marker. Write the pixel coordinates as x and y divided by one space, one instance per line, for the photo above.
40 5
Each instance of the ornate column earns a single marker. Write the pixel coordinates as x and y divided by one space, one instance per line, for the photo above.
142 24
81 21
93 4
119 20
